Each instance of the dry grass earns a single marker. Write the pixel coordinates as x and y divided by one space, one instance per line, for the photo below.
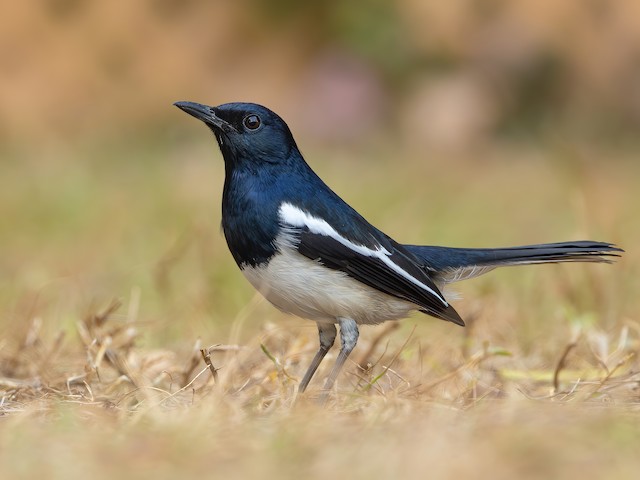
109 371
410 407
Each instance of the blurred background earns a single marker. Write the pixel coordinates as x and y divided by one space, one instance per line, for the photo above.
447 74
470 123
491 122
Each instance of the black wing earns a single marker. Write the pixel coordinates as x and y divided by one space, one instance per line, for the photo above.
399 276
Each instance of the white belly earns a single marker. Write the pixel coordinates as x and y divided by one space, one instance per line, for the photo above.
304 287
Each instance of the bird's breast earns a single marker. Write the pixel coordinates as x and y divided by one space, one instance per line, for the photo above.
250 225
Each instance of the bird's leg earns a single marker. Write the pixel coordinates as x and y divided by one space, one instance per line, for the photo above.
328 334
349 337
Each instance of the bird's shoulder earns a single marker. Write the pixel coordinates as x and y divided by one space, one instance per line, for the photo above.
319 203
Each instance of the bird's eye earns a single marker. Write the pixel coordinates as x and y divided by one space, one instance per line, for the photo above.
252 122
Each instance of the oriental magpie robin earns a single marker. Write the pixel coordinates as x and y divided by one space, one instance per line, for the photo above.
312 255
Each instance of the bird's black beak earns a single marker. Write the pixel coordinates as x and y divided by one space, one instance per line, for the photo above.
205 114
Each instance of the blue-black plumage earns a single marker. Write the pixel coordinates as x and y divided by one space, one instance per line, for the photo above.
311 254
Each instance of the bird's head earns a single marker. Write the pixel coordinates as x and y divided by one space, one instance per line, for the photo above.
247 133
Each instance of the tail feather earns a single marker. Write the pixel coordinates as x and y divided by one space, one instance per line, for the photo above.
454 264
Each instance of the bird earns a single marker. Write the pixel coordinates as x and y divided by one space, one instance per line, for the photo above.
312 255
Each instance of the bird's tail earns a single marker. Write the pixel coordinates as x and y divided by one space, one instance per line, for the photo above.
449 265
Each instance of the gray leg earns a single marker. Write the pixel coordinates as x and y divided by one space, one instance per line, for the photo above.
349 337
328 334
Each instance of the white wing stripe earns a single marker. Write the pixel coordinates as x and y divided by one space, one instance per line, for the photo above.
291 215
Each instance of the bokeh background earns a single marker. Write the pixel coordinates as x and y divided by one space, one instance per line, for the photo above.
465 123
448 75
